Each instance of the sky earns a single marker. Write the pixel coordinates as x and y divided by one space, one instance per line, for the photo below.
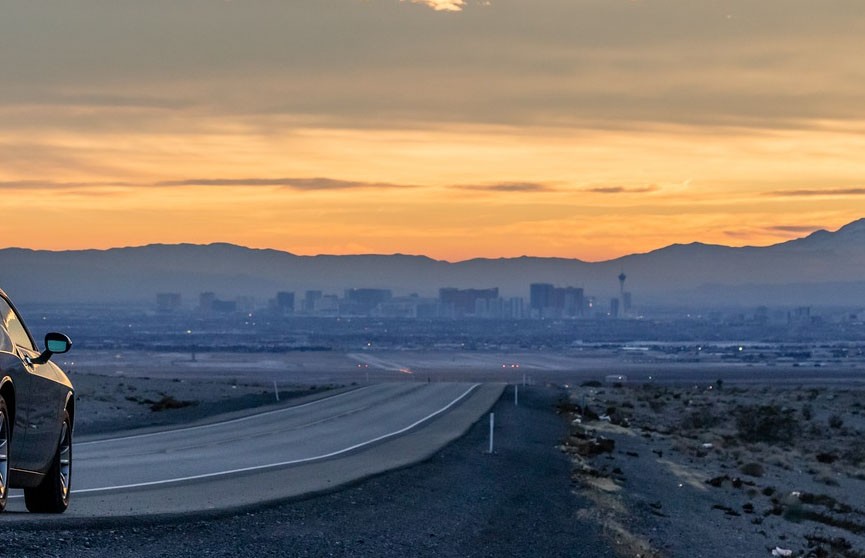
455 129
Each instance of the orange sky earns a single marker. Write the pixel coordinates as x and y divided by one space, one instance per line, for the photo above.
471 130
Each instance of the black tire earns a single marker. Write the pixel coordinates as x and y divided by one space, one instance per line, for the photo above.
5 443
52 495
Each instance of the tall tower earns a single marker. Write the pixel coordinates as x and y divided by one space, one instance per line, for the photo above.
624 298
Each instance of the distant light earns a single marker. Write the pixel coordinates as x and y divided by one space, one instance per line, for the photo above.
188 331
741 348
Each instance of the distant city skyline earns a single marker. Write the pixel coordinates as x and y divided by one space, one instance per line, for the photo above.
450 128
824 268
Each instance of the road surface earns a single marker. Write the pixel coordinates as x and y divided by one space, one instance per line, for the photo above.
268 456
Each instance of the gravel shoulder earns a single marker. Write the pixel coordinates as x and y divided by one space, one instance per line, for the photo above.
461 502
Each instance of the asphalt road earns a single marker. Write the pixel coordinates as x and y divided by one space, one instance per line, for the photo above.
269 456
462 502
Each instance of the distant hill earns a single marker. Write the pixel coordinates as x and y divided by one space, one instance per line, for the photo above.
823 268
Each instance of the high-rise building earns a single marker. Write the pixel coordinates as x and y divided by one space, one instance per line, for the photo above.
363 301
466 302
285 302
205 301
570 301
309 301
167 302
541 296
548 301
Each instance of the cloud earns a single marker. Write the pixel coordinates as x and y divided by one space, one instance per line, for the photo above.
95 100
53 185
310 184
442 5
623 190
775 230
507 187
824 192
794 228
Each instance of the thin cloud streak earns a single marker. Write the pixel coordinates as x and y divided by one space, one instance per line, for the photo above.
52 185
773 231
795 228
623 190
307 184
813 193
507 187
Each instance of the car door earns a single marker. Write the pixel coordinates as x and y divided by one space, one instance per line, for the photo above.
39 398
12 368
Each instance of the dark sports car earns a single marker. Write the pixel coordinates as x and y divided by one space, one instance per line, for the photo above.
37 410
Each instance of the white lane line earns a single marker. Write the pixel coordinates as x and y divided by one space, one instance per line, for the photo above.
283 463
215 424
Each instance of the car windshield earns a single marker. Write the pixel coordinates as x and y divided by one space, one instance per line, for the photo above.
14 326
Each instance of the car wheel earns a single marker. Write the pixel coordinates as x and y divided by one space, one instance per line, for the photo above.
5 442
52 495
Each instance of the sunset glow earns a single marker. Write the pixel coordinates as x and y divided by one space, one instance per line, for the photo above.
495 131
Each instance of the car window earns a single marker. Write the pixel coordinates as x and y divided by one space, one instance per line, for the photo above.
5 341
14 327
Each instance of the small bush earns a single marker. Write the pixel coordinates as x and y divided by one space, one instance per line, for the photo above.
753 469
699 420
169 402
835 421
766 423
657 405
855 453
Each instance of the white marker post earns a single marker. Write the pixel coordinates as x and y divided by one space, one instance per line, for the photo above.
516 395
492 425
275 390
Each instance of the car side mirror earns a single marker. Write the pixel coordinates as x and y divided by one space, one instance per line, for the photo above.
55 343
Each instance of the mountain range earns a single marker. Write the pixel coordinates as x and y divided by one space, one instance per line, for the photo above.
823 268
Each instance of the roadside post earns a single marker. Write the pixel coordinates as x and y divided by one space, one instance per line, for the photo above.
492 425
516 395
275 390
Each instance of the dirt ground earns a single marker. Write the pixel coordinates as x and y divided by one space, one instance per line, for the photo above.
722 470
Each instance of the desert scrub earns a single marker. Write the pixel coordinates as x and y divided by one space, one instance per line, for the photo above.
766 423
855 453
699 419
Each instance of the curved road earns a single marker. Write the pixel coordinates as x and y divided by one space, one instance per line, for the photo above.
269 456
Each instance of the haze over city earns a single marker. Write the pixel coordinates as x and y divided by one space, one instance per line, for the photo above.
452 129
